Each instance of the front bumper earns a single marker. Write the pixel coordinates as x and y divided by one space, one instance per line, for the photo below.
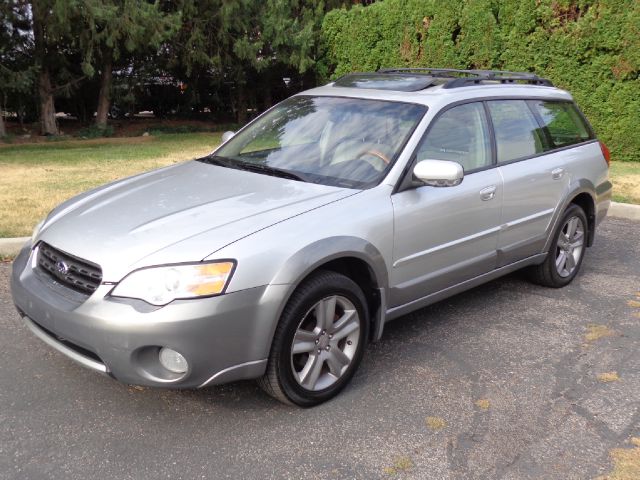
223 338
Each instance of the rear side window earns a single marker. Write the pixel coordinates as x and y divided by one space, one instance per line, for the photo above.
516 129
563 122
460 134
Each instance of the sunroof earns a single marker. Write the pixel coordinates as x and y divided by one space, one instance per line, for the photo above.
387 81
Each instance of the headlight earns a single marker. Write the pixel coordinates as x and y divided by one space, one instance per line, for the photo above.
36 230
161 285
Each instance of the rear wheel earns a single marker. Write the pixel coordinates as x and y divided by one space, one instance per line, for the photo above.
567 251
319 341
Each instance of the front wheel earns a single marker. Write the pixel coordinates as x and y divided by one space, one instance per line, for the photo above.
567 250
319 341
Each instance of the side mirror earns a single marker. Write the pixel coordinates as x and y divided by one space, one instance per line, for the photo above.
226 136
439 173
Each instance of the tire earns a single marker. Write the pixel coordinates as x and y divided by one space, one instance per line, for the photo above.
565 257
328 347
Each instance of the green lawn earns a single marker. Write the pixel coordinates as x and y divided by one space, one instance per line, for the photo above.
626 181
36 177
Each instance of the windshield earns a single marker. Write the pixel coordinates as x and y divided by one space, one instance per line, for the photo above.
344 142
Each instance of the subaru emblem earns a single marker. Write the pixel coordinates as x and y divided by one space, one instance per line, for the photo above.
62 267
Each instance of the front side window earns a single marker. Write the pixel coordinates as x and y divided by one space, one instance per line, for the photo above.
563 122
516 129
460 135
337 141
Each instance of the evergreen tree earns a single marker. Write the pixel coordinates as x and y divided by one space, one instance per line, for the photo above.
247 43
16 72
115 30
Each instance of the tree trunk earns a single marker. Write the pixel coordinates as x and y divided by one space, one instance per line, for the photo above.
48 124
3 131
241 114
267 99
104 96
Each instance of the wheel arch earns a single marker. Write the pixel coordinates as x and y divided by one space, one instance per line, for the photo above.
586 201
581 193
355 258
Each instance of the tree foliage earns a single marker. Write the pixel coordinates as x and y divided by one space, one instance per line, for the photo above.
16 71
589 47
245 43
210 54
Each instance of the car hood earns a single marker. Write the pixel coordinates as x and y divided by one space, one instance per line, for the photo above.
177 214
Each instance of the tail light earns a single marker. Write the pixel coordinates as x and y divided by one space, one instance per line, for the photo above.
606 153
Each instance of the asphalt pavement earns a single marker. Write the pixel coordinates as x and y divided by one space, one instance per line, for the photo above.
507 381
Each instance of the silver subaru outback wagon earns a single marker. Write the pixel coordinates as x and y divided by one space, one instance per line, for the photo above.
282 254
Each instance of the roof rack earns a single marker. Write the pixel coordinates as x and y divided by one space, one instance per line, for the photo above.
463 78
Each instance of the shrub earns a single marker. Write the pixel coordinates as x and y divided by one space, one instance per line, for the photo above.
93 131
589 47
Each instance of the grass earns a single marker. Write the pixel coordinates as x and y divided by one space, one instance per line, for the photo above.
608 377
596 332
435 423
625 177
400 464
34 178
626 463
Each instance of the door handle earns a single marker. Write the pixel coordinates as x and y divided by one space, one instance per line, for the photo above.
557 173
488 193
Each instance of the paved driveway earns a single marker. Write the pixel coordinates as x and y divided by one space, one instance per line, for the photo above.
499 382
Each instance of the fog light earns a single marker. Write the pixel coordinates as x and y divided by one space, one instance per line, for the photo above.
173 361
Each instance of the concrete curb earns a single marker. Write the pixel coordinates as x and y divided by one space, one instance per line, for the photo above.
11 246
624 210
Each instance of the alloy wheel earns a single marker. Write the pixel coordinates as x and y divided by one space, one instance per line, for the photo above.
569 246
325 343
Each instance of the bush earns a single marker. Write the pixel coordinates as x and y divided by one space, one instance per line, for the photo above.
589 47
8 138
94 131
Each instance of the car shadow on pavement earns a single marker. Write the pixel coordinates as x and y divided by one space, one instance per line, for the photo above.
408 341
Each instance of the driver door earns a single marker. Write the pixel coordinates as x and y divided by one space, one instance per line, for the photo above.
446 235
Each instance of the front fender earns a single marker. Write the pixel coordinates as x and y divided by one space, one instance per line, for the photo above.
309 258
358 227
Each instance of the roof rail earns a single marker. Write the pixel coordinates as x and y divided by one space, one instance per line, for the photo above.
462 78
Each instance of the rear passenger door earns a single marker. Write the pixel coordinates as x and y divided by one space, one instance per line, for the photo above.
535 179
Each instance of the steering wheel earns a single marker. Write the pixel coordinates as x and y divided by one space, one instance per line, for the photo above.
375 153
376 158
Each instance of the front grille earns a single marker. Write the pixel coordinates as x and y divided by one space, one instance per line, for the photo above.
70 271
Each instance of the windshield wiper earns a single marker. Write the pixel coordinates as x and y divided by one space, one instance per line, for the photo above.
218 161
268 170
251 167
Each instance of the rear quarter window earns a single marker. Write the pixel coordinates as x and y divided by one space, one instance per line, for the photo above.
518 134
563 123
